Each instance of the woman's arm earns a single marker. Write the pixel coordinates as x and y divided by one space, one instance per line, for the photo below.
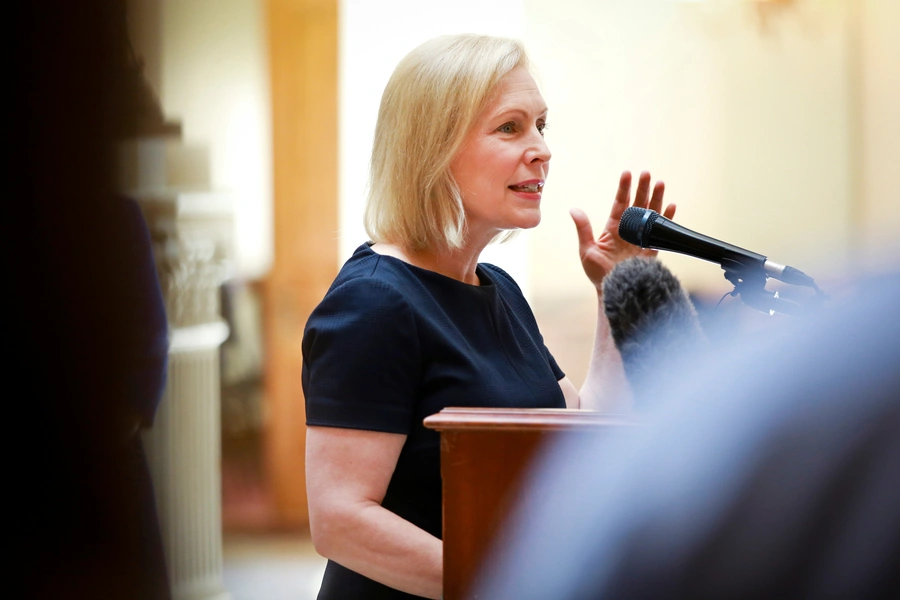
605 387
347 475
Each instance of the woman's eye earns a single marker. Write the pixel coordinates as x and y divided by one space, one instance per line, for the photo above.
541 126
507 128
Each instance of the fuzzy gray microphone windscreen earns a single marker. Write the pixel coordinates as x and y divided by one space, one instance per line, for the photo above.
652 320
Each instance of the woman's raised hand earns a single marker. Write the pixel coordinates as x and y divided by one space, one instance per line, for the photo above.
600 255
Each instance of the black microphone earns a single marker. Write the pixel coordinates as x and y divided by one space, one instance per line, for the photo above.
648 229
653 323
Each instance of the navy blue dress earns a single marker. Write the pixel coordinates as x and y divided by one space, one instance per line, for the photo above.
391 344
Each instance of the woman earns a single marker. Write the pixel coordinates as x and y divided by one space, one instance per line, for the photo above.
413 323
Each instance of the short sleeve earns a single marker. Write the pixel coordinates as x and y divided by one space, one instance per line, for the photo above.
557 371
361 359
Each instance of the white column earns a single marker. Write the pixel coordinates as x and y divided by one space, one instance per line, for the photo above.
190 232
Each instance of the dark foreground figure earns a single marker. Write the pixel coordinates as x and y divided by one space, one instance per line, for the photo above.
83 323
772 470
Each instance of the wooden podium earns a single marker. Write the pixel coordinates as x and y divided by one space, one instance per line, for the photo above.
484 453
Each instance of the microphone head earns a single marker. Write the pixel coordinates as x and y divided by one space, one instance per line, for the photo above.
635 225
652 321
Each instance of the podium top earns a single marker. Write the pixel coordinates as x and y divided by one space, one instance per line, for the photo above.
454 419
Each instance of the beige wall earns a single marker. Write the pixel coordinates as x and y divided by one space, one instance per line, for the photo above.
772 126
747 123
879 131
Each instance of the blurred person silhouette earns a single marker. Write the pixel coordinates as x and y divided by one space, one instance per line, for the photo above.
770 470
415 323
83 317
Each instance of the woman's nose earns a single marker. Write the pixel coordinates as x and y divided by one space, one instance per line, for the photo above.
539 151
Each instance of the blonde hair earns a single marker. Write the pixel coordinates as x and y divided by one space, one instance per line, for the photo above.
433 98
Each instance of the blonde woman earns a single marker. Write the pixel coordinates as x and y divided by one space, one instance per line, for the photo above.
414 323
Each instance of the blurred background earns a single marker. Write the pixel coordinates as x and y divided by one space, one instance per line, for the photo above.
774 124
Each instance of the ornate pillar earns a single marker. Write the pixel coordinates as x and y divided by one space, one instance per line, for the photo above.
191 237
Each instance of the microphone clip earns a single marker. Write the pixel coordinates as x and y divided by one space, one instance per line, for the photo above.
750 285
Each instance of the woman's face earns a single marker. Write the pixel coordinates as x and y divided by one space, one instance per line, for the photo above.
504 161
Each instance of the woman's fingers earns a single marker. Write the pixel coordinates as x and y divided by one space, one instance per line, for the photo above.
656 201
623 197
669 212
583 227
641 197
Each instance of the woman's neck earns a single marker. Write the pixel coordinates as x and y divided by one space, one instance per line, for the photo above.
457 264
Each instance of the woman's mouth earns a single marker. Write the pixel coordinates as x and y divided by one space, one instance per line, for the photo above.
528 188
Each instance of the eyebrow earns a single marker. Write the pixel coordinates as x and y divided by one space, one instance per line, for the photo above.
518 111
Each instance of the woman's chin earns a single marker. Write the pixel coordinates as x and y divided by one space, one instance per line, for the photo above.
530 221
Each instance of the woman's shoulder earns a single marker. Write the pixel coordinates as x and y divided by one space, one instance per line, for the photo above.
366 270
500 278
366 284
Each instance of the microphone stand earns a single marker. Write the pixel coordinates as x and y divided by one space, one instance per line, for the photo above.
750 285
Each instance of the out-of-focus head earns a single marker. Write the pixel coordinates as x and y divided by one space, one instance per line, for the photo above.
770 471
431 101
